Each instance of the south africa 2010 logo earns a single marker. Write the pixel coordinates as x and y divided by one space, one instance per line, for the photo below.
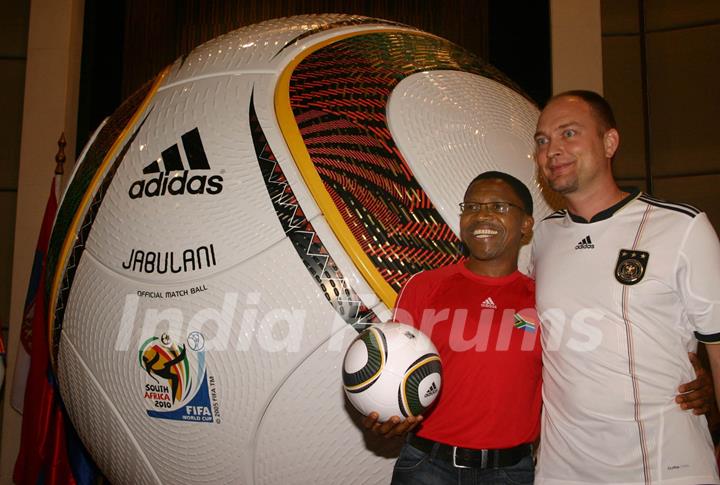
177 384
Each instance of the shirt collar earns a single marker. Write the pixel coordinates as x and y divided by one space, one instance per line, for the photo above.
607 213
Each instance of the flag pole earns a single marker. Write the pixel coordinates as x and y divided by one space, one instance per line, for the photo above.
60 165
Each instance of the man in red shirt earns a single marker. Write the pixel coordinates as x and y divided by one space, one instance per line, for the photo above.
480 315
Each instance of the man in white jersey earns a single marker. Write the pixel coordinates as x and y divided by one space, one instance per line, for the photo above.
626 285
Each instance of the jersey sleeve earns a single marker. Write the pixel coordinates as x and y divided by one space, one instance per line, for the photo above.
699 279
533 253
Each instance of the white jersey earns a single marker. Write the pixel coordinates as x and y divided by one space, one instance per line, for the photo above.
622 299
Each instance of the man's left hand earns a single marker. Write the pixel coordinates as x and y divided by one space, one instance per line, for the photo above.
697 395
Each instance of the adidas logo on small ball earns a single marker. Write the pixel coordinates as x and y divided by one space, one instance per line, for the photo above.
178 184
432 390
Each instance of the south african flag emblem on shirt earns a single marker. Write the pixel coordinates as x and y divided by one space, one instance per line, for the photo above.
525 323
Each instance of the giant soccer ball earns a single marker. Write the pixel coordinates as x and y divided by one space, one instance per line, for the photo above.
230 229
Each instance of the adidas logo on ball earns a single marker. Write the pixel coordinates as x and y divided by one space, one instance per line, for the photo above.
432 390
179 184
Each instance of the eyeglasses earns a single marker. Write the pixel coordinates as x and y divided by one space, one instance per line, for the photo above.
498 207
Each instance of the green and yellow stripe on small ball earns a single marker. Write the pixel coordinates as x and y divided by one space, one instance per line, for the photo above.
409 390
376 347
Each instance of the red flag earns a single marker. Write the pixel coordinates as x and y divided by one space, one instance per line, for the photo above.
23 359
43 456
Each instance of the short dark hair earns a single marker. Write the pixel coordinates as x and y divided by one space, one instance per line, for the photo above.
598 105
518 187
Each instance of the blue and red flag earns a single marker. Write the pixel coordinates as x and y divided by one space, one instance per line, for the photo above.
22 361
50 451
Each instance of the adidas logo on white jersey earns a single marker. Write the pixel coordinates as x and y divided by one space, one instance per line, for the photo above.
432 390
488 303
585 244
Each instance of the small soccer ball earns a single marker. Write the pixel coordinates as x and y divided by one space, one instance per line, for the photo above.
393 369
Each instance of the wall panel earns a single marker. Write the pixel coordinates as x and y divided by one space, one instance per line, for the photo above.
12 85
7 216
700 191
14 28
632 184
663 54
683 79
672 14
619 17
622 79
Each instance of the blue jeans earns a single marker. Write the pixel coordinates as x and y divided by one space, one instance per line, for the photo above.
415 467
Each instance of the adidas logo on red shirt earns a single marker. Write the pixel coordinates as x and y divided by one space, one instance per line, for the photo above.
488 303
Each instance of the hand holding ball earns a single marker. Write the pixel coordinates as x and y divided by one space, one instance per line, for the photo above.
392 369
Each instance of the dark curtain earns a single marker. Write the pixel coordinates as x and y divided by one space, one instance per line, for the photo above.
127 42
163 30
